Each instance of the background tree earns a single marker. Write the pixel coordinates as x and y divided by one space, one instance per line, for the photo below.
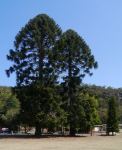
9 107
112 120
75 60
35 64
90 109
103 94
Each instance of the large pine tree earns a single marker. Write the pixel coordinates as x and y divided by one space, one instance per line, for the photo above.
32 56
90 108
75 61
35 65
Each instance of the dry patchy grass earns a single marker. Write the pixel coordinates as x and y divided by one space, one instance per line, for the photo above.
63 143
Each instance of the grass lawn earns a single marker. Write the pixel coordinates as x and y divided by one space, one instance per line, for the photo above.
63 143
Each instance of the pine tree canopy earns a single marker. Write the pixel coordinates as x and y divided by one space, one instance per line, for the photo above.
33 54
75 55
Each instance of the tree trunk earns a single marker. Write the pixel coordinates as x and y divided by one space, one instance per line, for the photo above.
107 133
62 130
113 134
91 132
70 99
72 130
38 130
41 57
25 127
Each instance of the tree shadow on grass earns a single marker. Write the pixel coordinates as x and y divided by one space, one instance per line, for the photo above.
41 137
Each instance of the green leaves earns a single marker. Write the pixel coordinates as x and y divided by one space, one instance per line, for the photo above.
112 120
90 109
33 55
75 61
9 105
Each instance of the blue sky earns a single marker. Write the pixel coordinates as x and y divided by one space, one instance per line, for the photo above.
99 22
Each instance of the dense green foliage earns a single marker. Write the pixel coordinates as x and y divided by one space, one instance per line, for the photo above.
112 120
103 94
9 106
75 62
42 104
90 109
33 58
100 92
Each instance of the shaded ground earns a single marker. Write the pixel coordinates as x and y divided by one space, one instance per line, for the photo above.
63 143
